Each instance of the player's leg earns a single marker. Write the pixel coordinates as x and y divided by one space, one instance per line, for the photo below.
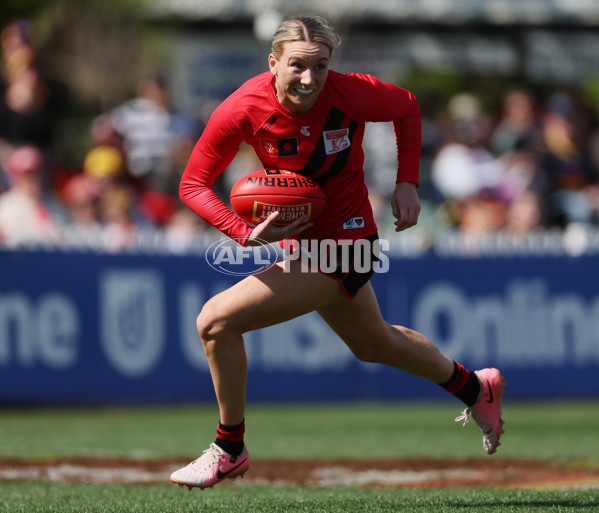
260 300
361 326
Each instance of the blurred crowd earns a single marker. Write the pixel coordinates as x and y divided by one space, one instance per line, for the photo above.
127 180
530 166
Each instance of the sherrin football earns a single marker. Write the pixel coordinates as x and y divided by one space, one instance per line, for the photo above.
255 196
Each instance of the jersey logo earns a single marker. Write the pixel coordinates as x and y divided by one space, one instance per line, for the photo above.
336 140
305 130
354 223
320 164
279 147
269 124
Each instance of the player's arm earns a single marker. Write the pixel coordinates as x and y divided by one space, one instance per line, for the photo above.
384 102
196 191
212 154
405 113
405 205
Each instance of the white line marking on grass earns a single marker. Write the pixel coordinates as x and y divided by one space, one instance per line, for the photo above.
340 476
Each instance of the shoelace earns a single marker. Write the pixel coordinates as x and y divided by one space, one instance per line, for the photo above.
465 416
213 458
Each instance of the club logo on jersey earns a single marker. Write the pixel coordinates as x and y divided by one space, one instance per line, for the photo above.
354 223
305 130
336 140
279 147
269 124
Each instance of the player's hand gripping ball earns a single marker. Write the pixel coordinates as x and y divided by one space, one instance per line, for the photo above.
257 195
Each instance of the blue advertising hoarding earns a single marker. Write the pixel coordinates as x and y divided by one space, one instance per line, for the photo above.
85 327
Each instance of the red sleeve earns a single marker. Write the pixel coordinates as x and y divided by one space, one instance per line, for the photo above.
215 150
400 106
408 135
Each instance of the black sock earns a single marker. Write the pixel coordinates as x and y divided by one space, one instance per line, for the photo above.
230 438
463 384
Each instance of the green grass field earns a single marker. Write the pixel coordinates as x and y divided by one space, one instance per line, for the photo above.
565 431
28 498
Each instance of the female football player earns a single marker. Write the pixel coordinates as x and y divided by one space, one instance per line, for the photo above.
303 117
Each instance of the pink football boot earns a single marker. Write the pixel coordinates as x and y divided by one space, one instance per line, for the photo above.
487 410
213 466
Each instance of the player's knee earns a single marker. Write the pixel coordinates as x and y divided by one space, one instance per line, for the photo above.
210 323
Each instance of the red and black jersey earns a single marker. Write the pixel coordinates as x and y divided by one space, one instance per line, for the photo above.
324 144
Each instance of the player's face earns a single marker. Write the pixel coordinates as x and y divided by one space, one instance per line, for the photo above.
300 74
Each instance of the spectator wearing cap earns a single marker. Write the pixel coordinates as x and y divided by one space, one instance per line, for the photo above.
103 167
81 194
24 215
104 163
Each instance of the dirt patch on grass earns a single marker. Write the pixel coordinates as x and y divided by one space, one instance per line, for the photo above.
410 472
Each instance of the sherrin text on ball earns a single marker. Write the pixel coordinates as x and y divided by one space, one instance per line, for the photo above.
256 195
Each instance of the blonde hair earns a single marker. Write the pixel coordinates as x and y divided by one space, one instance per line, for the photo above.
314 29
